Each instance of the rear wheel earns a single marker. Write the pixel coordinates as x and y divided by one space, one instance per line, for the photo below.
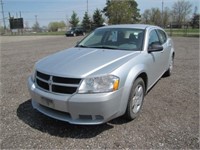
74 34
136 99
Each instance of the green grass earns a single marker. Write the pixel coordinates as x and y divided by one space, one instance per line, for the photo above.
47 33
184 32
35 34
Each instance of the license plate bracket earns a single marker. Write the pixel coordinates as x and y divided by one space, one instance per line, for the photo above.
47 102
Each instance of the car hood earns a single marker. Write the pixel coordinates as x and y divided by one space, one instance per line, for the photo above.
82 62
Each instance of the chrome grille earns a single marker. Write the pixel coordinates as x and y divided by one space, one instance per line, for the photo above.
57 84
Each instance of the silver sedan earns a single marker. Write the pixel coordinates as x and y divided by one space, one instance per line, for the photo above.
104 76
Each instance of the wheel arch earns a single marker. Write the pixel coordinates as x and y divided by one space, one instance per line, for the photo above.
144 77
134 73
173 54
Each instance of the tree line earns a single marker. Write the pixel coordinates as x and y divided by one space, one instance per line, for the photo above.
177 16
127 12
88 23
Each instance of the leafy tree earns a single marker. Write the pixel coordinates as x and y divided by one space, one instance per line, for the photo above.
180 11
74 20
119 12
195 21
166 17
54 26
135 11
155 16
36 27
86 23
152 16
146 16
105 9
97 19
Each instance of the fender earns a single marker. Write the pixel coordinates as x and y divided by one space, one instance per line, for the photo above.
131 77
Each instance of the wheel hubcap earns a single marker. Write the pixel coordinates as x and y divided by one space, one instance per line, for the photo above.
137 99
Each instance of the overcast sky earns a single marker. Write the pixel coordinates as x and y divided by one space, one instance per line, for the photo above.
57 10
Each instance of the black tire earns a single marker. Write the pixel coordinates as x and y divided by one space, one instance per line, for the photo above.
169 71
135 103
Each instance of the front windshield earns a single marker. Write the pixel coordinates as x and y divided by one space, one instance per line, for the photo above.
114 38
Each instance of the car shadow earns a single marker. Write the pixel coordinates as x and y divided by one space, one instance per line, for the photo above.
36 120
119 121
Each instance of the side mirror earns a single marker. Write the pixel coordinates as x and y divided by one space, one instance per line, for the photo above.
155 47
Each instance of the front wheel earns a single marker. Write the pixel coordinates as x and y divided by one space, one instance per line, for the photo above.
171 65
136 99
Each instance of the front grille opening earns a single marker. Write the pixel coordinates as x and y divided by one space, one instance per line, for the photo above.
43 76
66 80
52 83
63 89
98 117
42 84
85 117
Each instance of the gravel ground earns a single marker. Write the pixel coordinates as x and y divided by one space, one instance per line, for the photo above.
169 118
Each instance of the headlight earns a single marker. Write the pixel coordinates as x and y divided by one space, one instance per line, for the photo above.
33 75
101 84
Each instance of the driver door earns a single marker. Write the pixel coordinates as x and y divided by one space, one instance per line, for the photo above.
155 65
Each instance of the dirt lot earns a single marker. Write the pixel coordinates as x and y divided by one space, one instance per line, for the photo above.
169 118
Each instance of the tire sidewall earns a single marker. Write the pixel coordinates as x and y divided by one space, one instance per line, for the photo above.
129 113
169 71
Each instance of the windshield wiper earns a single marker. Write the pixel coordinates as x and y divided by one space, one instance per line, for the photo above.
104 47
100 47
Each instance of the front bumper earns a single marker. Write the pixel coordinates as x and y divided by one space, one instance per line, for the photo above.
77 108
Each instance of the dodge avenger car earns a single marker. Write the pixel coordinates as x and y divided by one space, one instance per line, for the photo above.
106 75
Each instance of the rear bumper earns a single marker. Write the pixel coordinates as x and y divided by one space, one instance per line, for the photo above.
78 108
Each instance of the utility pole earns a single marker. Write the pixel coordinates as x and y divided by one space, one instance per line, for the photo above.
162 14
36 26
3 17
87 6
36 19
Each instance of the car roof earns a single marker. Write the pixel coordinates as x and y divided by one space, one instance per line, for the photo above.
138 26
